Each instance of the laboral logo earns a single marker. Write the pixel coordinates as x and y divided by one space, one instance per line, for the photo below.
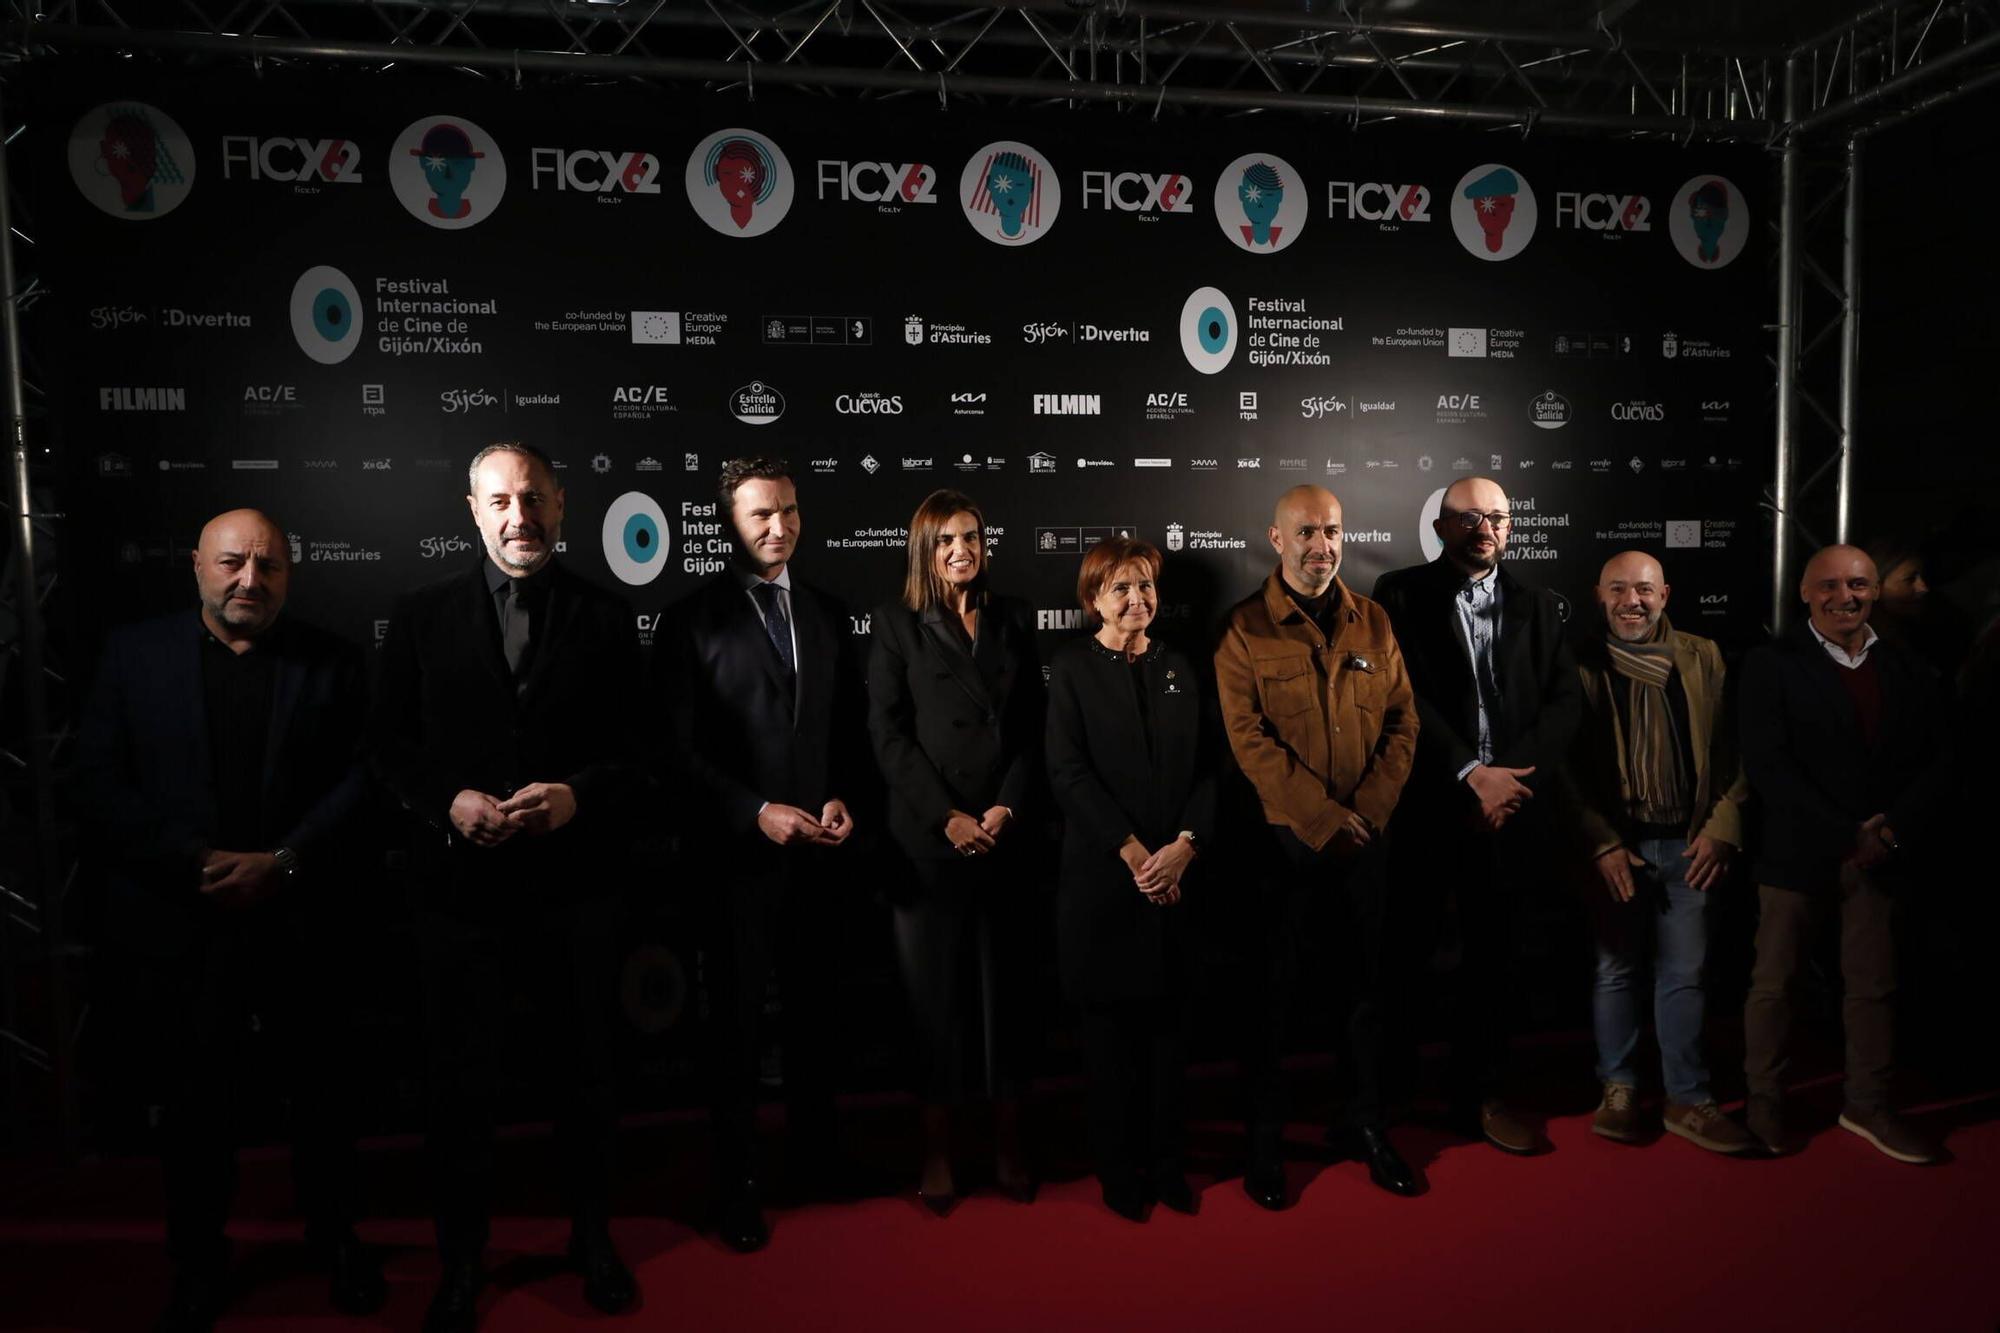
739 182
1010 193
131 160
888 183
1493 212
1389 204
447 172
1708 221
1549 410
294 161
594 171
636 538
1260 203
327 316
1208 329
1138 192
1610 214
756 404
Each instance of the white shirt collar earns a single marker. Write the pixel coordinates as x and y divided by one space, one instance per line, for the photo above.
1840 654
750 580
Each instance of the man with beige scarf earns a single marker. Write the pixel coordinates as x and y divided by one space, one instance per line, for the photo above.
1657 805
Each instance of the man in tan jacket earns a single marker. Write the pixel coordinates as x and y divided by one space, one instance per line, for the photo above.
1319 712
1656 804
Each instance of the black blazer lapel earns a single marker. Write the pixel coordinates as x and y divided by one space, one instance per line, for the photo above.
962 665
181 682
741 615
817 654
483 630
290 682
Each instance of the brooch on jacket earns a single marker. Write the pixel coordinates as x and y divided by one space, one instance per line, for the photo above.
1360 663
1173 686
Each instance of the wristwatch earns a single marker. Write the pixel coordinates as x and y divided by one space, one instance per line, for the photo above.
1192 841
288 861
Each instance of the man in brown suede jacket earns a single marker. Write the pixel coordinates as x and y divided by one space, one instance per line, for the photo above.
1320 715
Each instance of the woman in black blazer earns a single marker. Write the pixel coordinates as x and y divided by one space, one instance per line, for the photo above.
955 713
1132 758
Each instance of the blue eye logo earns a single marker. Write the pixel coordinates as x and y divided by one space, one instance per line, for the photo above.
327 314
1212 327
1208 330
636 538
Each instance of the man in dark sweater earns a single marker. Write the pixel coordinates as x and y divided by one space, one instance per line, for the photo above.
1840 742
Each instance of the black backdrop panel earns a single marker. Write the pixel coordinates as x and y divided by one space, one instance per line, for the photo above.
319 297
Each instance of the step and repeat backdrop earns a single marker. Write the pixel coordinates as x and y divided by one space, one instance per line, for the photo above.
320 297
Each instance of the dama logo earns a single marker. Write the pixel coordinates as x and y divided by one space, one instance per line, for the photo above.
1260 203
131 160
447 172
1010 193
739 183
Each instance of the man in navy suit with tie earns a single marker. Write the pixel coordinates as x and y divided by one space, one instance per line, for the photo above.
504 724
767 717
219 773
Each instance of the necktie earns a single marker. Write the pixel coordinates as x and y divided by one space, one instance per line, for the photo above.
514 627
1479 604
776 625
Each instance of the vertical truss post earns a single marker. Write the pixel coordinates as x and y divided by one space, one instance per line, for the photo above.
1788 360
34 696
1850 338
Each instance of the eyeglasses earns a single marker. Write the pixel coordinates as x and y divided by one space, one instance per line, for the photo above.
1470 519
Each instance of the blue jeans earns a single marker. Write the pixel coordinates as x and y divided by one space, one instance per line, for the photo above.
1667 920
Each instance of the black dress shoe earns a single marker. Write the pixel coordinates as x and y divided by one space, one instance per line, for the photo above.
1171 1188
1127 1198
607 1282
1386 1166
741 1221
1264 1182
196 1301
455 1308
354 1283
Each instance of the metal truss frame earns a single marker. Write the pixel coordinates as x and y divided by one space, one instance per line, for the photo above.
1814 103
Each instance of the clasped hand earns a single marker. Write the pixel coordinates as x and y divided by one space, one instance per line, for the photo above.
1500 792
787 825
538 808
1158 874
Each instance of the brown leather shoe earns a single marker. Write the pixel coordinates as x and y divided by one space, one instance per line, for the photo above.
1507 1132
1891 1134
1766 1118
1618 1114
1704 1125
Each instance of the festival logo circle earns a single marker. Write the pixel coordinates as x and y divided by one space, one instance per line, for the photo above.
636 538
739 183
1260 203
1208 329
1010 193
1493 212
1709 221
448 172
327 317
1427 538
131 160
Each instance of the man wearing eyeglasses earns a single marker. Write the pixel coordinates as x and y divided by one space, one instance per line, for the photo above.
1498 698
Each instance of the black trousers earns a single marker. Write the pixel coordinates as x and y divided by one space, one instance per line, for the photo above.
565 960
1458 891
253 985
1320 920
965 948
780 915
1134 1055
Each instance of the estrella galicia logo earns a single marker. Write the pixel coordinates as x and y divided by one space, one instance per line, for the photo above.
739 182
327 317
1010 193
1260 203
1550 410
1708 221
756 404
1208 330
131 160
447 172
1493 212
636 538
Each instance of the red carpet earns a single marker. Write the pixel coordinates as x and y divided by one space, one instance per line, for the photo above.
1594 1235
